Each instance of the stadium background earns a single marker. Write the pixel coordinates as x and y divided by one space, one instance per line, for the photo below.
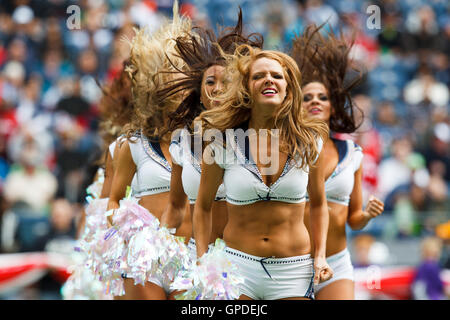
49 112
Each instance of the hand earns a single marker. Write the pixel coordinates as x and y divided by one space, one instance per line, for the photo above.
109 218
374 207
109 221
322 271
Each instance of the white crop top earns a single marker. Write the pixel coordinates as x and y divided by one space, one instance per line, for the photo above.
339 186
243 181
112 147
152 169
182 155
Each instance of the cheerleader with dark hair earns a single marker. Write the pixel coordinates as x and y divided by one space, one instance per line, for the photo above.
202 52
328 76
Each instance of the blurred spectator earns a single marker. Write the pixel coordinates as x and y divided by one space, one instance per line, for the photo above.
423 27
388 124
49 98
441 67
398 168
407 202
53 36
318 12
392 35
8 124
58 238
70 157
274 37
297 25
427 284
439 202
33 133
437 151
14 78
30 184
365 48
425 91
368 137
62 231
361 244
443 232
87 62
54 67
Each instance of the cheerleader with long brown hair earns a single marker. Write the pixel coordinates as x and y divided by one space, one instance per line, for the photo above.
202 52
328 78
265 234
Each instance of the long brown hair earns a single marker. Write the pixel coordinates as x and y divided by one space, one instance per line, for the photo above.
326 60
298 134
200 50
116 105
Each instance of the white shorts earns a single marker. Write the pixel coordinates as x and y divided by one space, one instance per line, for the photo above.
274 278
192 249
342 267
159 280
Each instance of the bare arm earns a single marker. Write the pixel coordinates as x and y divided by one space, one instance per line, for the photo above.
174 214
210 181
319 219
109 174
123 176
357 217
81 223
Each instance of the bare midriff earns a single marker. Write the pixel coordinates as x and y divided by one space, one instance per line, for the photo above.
336 237
219 219
267 229
157 203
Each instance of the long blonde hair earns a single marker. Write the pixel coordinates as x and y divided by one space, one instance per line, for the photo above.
298 134
149 55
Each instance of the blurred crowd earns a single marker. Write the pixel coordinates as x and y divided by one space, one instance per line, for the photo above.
55 55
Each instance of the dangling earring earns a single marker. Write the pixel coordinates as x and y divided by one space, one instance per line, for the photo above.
202 106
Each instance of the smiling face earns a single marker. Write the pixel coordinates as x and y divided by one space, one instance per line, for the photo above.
267 83
316 101
212 83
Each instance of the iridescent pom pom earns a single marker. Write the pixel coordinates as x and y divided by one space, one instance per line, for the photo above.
213 278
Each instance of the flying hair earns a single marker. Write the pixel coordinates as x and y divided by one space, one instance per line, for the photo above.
325 59
201 49
149 54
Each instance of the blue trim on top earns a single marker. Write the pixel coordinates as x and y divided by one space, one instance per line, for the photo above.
342 148
344 157
250 164
153 150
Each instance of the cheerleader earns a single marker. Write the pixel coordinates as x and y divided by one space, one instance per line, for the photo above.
116 109
326 88
201 51
145 151
265 234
